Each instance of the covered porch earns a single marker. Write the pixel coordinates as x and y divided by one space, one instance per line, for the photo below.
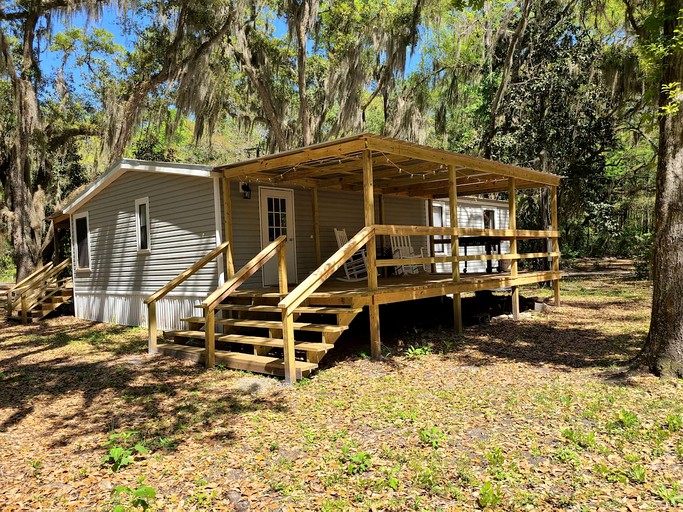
377 167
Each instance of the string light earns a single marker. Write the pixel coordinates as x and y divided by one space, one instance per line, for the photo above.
339 161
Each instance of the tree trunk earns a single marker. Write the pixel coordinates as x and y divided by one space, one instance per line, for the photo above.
20 199
302 20
27 113
664 347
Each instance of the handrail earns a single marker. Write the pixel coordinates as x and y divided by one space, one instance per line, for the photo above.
29 291
387 229
37 289
187 273
417 260
324 271
25 281
151 301
243 274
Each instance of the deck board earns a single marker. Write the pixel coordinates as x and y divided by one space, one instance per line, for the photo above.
411 287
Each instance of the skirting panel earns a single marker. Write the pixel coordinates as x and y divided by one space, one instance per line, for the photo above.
131 310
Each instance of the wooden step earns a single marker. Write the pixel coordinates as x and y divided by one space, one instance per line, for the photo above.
251 340
274 342
256 293
317 310
236 360
185 333
276 324
194 319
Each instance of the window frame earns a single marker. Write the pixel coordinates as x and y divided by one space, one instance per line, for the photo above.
494 214
77 263
148 227
440 240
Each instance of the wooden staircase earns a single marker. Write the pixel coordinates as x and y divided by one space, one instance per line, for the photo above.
38 295
51 299
284 332
249 333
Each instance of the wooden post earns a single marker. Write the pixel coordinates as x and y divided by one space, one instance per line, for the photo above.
227 226
288 340
369 213
152 328
512 204
282 267
316 227
230 265
430 223
55 234
556 242
24 309
455 246
210 337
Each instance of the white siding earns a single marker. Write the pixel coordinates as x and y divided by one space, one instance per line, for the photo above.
471 215
130 309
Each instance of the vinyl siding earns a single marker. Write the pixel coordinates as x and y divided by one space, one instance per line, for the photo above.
407 211
336 209
182 221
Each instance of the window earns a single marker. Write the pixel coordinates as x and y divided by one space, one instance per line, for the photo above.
489 219
438 221
277 217
82 241
142 225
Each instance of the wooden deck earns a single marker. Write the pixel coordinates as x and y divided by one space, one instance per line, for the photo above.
410 287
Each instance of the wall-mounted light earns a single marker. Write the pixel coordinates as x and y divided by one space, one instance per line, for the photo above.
246 190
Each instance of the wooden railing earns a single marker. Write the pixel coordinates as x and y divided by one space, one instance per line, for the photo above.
24 284
36 288
151 301
503 234
309 285
277 247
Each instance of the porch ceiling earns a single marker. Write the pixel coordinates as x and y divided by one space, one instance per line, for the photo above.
399 168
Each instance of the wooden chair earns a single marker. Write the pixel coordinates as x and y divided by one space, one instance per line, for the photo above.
401 248
356 267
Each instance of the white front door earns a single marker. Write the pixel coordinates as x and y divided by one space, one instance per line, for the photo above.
277 218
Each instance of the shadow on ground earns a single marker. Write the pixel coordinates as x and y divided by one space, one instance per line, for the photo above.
429 322
136 389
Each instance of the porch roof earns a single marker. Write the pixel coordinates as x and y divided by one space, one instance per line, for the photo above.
399 168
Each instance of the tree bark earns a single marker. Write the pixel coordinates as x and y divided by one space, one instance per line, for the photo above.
302 14
27 114
664 347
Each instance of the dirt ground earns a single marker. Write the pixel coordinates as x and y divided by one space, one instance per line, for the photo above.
529 415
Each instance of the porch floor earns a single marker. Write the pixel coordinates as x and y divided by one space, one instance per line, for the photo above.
408 287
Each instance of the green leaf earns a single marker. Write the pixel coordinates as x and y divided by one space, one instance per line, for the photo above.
145 491
140 448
